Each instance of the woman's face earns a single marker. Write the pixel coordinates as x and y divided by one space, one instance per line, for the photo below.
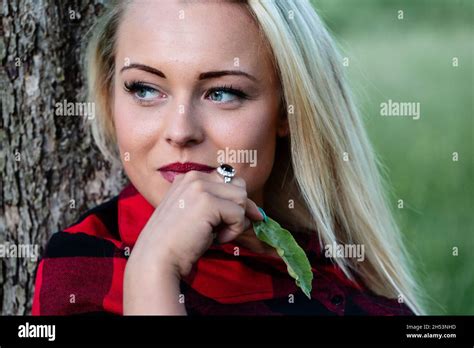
194 83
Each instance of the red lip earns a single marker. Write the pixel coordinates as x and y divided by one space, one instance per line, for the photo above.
170 171
186 167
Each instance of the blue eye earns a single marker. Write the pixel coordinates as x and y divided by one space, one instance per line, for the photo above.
141 91
225 94
145 93
221 96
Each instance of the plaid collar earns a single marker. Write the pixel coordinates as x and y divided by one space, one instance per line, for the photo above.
133 214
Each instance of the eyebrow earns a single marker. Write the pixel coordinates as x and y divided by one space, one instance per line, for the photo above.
202 76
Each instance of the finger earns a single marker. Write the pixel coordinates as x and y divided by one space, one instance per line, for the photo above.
251 207
212 176
234 193
233 217
227 235
236 180
252 211
193 175
225 190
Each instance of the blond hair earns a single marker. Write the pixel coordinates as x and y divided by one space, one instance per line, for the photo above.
327 165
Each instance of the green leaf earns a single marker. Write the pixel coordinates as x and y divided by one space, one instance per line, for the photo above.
298 266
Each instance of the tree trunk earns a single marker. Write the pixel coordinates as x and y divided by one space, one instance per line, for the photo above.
51 171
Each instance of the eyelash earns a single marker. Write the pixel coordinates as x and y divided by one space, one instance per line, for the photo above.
229 89
134 86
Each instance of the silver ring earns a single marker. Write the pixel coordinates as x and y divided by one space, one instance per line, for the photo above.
227 171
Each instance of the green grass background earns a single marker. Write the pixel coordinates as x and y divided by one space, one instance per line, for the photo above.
410 60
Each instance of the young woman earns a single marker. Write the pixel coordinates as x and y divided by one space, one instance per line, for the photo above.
180 87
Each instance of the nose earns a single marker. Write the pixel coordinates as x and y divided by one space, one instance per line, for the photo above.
183 126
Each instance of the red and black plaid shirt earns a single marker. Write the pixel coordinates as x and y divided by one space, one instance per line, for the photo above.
83 266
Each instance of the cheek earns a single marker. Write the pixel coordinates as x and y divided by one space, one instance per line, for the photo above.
136 136
255 134
133 130
262 142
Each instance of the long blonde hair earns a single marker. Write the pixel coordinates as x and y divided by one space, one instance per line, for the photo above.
326 166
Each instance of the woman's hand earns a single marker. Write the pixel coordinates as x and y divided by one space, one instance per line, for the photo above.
197 207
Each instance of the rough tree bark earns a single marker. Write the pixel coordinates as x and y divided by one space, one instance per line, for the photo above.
51 172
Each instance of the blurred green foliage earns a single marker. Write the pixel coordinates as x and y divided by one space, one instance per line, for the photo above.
411 60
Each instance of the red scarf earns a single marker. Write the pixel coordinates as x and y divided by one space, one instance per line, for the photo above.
83 266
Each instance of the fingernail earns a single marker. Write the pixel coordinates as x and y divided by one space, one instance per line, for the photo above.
264 216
